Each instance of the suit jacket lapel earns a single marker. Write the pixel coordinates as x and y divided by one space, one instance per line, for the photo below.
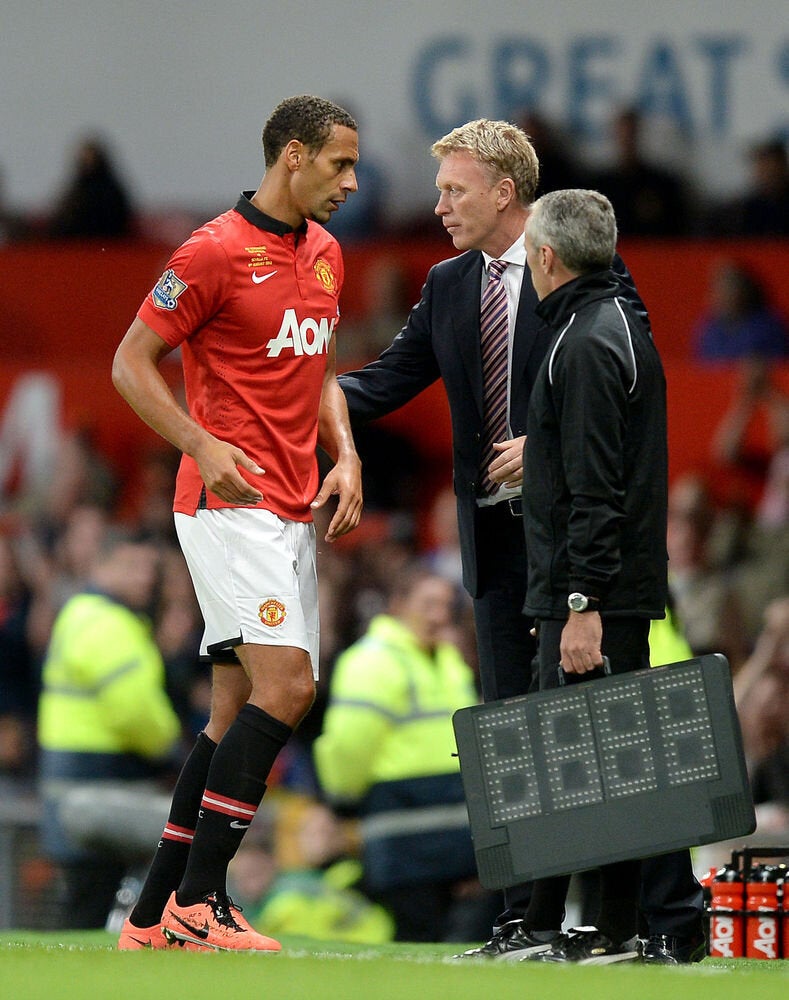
464 310
526 326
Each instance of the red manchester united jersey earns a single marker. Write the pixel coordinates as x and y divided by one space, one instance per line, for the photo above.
253 305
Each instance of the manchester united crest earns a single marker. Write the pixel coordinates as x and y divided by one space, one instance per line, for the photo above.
324 274
272 612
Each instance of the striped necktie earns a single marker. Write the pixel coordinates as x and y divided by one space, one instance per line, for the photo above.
494 331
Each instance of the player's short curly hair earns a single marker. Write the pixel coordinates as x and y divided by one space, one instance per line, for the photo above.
306 118
503 148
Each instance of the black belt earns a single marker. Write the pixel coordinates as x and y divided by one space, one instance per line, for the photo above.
513 506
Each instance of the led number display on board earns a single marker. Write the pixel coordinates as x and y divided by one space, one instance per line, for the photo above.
591 773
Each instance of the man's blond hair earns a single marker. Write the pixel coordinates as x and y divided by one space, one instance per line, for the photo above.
500 146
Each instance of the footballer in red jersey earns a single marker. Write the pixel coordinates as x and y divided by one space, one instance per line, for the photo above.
251 301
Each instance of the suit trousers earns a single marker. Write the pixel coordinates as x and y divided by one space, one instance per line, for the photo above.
626 644
505 647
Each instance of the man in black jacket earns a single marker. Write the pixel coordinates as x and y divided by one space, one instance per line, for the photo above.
595 496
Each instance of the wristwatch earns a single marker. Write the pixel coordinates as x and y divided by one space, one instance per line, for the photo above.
580 602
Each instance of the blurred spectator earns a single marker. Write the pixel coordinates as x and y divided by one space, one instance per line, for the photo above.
761 691
13 227
648 200
310 888
763 210
761 694
148 503
443 549
18 687
756 468
105 727
178 629
81 475
380 304
387 750
60 530
702 591
95 202
558 168
58 567
739 321
758 403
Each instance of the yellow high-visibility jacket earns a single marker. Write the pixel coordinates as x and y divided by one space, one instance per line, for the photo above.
667 644
390 710
103 684
388 745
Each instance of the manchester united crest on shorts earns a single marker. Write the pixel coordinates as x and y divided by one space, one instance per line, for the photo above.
272 612
324 274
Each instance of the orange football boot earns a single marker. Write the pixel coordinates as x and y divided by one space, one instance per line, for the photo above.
215 924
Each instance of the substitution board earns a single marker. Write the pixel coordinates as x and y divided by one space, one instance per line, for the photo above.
625 766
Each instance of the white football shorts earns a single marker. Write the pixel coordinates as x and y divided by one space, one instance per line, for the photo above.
255 578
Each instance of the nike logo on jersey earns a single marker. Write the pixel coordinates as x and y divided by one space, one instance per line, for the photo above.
260 278
235 825
201 932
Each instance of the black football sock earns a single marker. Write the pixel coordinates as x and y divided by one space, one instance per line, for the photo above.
169 862
234 787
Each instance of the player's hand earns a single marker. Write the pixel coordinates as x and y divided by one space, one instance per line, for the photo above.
218 462
507 466
345 482
580 643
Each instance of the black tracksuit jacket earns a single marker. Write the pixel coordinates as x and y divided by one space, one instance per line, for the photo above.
595 472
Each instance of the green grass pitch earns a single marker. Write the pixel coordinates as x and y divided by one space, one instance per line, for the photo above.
86 966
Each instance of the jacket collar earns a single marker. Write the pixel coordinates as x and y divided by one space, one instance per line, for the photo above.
563 301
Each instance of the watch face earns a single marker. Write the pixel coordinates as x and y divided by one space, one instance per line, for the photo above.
577 602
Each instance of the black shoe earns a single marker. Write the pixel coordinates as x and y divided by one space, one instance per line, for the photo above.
665 949
588 946
512 942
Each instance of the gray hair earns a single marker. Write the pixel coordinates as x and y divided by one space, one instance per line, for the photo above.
503 148
579 225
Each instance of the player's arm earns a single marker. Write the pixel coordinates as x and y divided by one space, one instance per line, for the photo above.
136 376
336 439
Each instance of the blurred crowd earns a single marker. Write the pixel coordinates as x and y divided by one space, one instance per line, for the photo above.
729 576
651 195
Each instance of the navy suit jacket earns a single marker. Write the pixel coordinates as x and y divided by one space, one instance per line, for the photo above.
441 339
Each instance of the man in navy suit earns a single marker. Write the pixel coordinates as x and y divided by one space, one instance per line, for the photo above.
487 179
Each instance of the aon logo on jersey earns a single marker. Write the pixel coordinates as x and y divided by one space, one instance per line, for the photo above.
311 336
